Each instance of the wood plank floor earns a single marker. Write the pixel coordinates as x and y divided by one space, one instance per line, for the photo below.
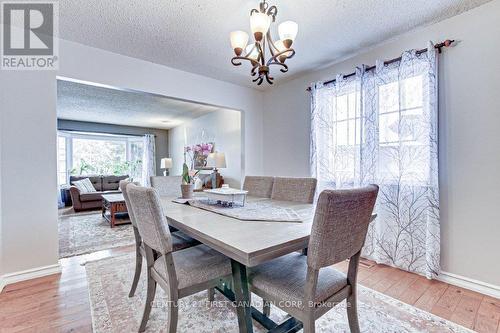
59 303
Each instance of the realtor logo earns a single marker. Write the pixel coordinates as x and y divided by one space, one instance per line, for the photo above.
29 35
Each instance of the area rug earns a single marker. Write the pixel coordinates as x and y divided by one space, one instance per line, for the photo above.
82 233
113 311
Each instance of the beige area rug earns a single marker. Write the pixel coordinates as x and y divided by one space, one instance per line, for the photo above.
113 311
86 232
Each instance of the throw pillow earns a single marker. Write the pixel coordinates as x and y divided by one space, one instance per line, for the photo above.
85 186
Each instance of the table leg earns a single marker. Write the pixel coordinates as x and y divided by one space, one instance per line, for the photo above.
242 295
112 215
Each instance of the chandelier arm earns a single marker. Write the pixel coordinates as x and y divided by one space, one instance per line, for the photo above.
271 46
284 68
272 11
269 79
275 57
235 61
260 47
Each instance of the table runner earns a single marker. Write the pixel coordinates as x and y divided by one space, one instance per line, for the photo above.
264 210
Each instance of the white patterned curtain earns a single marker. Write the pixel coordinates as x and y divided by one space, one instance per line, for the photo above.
148 159
381 127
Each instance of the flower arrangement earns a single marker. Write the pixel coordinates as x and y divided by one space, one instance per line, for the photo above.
197 154
188 176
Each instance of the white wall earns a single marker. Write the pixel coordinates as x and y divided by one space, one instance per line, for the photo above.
222 127
469 133
28 177
28 107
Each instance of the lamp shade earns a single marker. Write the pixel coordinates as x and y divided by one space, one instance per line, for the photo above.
166 163
288 31
216 160
239 40
259 24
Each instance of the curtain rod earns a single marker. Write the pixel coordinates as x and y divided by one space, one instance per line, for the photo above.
438 46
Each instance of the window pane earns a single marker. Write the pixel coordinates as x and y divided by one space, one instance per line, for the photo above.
389 127
342 133
388 97
342 105
411 93
99 157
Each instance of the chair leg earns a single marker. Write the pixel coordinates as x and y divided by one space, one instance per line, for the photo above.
266 308
173 315
138 269
149 300
211 294
352 313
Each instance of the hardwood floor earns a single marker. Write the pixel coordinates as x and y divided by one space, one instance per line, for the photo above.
59 303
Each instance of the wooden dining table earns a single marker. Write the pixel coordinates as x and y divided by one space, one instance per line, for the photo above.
246 244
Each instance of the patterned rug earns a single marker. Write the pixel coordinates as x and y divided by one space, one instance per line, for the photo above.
113 311
81 233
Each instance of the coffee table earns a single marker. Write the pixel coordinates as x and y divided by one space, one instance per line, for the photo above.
115 204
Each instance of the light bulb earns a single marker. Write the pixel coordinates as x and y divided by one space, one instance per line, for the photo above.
239 40
255 53
259 23
288 31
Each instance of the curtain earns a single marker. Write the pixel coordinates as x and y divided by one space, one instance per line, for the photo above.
148 159
381 126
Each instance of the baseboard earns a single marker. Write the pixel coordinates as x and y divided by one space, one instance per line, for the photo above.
471 284
29 274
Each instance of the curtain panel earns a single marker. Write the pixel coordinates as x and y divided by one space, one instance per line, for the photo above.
148 159
381 126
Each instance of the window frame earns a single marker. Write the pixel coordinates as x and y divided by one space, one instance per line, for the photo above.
71 135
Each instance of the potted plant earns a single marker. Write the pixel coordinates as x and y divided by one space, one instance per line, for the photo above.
187 185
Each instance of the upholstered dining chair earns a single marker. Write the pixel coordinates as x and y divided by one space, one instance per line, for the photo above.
258 186
294 189
181 273
179 240
308 286
167 185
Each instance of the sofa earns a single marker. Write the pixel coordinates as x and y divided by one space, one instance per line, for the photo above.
93 200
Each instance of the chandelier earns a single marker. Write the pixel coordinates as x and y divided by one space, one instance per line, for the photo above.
279 51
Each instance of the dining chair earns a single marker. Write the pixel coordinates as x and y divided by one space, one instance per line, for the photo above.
258 186
167 185
179 240
307 287
294 189
179 273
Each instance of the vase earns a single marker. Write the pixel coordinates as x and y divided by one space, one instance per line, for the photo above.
187 191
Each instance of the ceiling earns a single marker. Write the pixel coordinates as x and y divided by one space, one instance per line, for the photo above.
194 35
83 102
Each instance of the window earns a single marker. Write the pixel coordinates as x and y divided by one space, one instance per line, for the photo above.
82 154
403 136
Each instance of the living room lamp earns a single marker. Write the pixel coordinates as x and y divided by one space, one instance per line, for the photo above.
166 163
216 160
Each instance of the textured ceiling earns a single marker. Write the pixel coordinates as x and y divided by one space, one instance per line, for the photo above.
194 35
76 101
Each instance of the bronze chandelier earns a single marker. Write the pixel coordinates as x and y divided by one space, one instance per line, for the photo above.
280 51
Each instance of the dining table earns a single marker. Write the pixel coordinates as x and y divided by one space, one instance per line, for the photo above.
247 244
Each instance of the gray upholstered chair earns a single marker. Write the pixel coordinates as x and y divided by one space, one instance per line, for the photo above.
179 240
180 273
167 185
259 186
294 189
307 287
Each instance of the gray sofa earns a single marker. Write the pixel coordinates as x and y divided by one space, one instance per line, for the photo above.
93 200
